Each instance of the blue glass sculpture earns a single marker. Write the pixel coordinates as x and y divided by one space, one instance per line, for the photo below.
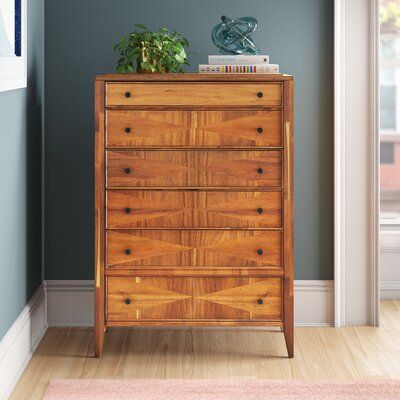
233 36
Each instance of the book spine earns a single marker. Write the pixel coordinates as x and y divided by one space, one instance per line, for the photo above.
238 60
239 69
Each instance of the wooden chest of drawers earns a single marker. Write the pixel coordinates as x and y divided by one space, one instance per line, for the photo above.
194 201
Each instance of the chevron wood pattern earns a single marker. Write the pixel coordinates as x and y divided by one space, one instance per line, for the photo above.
194 168
194 248
193 209
136 128
194 201
233 298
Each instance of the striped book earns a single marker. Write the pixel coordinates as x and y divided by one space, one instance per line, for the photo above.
239 69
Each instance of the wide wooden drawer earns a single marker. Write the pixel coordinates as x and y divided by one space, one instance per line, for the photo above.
194 168
192 209
203 298
133 128
194 94
194 248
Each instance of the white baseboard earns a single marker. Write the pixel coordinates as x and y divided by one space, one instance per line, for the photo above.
313 303
21 340
70 303
390 290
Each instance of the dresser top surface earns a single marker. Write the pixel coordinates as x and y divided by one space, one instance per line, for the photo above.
194 77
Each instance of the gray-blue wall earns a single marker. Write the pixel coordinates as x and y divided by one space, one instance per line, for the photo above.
80 34
21 125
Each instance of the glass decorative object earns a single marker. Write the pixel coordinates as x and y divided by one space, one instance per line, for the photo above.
233 36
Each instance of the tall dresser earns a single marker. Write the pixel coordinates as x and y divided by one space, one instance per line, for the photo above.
194 201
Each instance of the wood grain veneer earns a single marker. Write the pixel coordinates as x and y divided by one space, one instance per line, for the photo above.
194 247
144 298
200 94
133 128
193 209
194 201
194 168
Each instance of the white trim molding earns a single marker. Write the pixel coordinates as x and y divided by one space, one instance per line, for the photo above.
390 240
374 166
390 290
313 303
339 162
356 202
21 340
389 266
390 248
70 303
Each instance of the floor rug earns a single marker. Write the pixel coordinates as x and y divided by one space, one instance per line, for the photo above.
221 389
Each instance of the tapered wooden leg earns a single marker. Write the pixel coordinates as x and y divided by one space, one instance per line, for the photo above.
98 340
99 320
289 338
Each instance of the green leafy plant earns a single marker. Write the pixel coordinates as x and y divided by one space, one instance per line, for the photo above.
149 52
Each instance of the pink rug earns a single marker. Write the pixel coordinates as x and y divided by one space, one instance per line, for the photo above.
234 389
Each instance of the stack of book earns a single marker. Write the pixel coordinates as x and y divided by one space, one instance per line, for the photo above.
238 64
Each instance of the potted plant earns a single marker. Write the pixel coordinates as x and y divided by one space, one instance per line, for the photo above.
150 52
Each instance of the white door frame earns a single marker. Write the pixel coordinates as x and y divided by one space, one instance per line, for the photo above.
339 163
356 168
375 164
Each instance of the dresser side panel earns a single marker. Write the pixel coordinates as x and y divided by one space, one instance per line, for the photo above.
99 199
288 215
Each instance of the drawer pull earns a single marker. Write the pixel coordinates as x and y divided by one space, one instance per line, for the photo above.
260 130
128 252
127 210
128 130
127 301
260 210
260 94
127 170
260 301
260 252
260 170
128 94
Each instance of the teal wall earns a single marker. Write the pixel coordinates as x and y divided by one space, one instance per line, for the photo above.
20 179
80 34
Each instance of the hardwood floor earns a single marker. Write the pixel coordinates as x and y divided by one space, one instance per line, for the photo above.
344 353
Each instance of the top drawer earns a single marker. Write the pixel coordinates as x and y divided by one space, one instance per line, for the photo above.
194 94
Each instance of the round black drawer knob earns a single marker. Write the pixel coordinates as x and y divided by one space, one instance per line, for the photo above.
127 210
128 94
260 210
260 94
260 301
128 301
260 130
127 252
127 170
260 252
128 130
260 170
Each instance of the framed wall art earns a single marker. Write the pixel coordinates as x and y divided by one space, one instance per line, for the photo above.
13 43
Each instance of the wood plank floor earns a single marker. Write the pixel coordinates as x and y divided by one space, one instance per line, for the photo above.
350 352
